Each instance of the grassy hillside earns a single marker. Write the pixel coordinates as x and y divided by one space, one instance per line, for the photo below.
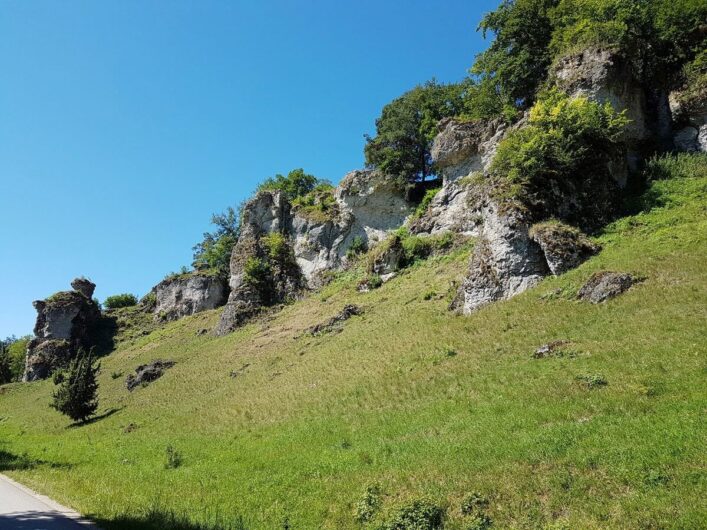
279 429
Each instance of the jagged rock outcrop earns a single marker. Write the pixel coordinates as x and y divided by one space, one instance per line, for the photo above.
183 295
460 150
147 373
263 270
368 206
504 263
65 323
564 247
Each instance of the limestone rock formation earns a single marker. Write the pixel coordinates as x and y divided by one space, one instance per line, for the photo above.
504 263
460 150
65 323
263 270
184 295
605 285
368 206
564 247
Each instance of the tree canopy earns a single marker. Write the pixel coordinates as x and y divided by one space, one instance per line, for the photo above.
406 128
213 252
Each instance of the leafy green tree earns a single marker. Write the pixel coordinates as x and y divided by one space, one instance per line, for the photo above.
77 396
214 250
17 351
406 128
515 64
296 184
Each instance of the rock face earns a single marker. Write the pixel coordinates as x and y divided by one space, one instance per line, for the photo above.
460 150
564 247
185 295
65 323
604 76
605 285
504 263
263 270
368 206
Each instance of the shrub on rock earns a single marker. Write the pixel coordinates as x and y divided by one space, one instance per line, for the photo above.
120 300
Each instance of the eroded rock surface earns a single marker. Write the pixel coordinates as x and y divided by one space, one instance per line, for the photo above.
605 285
65 323
564 247
335 322
184 295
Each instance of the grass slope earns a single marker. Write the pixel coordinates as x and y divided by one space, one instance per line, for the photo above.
287 430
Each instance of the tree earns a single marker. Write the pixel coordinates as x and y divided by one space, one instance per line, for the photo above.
296 184
76 396
5 365
214 251
406 128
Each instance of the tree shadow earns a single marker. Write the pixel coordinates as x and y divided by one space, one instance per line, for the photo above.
31 520
94 419
12 462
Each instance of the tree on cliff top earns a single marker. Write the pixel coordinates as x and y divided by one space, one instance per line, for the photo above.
406 127
213 252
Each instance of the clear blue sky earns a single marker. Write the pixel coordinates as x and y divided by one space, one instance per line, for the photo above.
125 124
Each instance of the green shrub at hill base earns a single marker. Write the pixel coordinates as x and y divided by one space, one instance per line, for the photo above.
120 300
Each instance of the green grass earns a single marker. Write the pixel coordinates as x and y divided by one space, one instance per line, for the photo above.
310 426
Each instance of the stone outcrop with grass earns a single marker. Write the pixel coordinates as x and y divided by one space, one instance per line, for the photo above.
65 324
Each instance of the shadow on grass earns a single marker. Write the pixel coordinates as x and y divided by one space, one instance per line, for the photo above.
162 520
12 462
94 419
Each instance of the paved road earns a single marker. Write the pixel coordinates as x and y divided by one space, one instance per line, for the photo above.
23 509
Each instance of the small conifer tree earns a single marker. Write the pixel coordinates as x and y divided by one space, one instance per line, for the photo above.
76 396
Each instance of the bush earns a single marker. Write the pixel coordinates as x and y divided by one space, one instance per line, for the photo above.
680 165
358 246
76 396
368 506
120 300
567 146
421 514
173 458
296 184
257 273
214 250
425 202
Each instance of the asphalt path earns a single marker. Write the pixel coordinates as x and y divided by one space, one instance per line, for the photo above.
23 509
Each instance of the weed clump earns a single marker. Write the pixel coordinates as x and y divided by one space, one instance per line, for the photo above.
173 458
419 514
592 381
366 508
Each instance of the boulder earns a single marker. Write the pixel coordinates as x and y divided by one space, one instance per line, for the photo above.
146 373
550 349
84 286
187 294
605 285
565 247
65 323
689 110
388 258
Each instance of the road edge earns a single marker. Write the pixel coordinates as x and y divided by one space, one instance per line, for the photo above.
63 510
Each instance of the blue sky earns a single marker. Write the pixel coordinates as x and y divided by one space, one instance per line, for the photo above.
124 125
